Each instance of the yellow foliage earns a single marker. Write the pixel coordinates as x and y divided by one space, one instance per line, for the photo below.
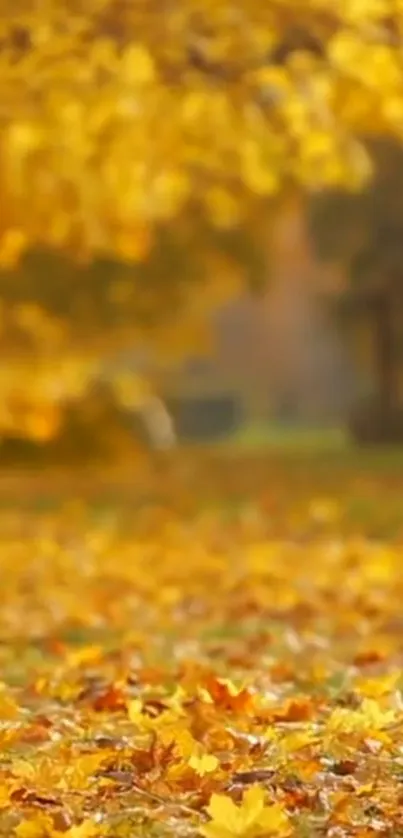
38 828
5 794
168 720
377 687
131 391
204 764
123 708
137 66
8 707
82 768
35 392
249 820
86 829
294 742
185 744
42 827
368 719
115 118
22 768
118 122
12 245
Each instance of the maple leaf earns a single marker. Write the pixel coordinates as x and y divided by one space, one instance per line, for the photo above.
8 707
378 687
204 764
5 794
224 693
168 718
298 740
42 827
369 718
86 829
38 827
83 656
294 710
184 743
329 736
252 818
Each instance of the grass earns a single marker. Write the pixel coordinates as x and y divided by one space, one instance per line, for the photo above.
325 453
291 438
316 445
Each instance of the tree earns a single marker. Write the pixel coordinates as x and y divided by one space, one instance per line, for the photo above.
107 329
365 233
135 128
118 116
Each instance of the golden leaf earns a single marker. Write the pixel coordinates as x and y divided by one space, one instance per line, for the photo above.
132 245
22 768
370 717
83 767
137 65
86 829
8 707
39 827
252 818
12 245
259 175
5 793
222 207
378 687
204 764
132 391
84 655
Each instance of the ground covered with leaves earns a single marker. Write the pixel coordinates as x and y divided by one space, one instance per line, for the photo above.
217 654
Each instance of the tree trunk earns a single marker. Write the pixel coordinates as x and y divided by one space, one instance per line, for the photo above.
159 424
386 366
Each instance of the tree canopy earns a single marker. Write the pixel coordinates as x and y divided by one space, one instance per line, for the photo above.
120 115
137 134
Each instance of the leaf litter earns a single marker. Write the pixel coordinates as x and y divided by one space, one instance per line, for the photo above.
192 673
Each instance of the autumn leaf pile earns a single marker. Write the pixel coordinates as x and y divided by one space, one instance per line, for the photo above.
221 660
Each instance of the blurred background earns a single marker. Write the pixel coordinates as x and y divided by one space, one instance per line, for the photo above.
296 328
219 260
